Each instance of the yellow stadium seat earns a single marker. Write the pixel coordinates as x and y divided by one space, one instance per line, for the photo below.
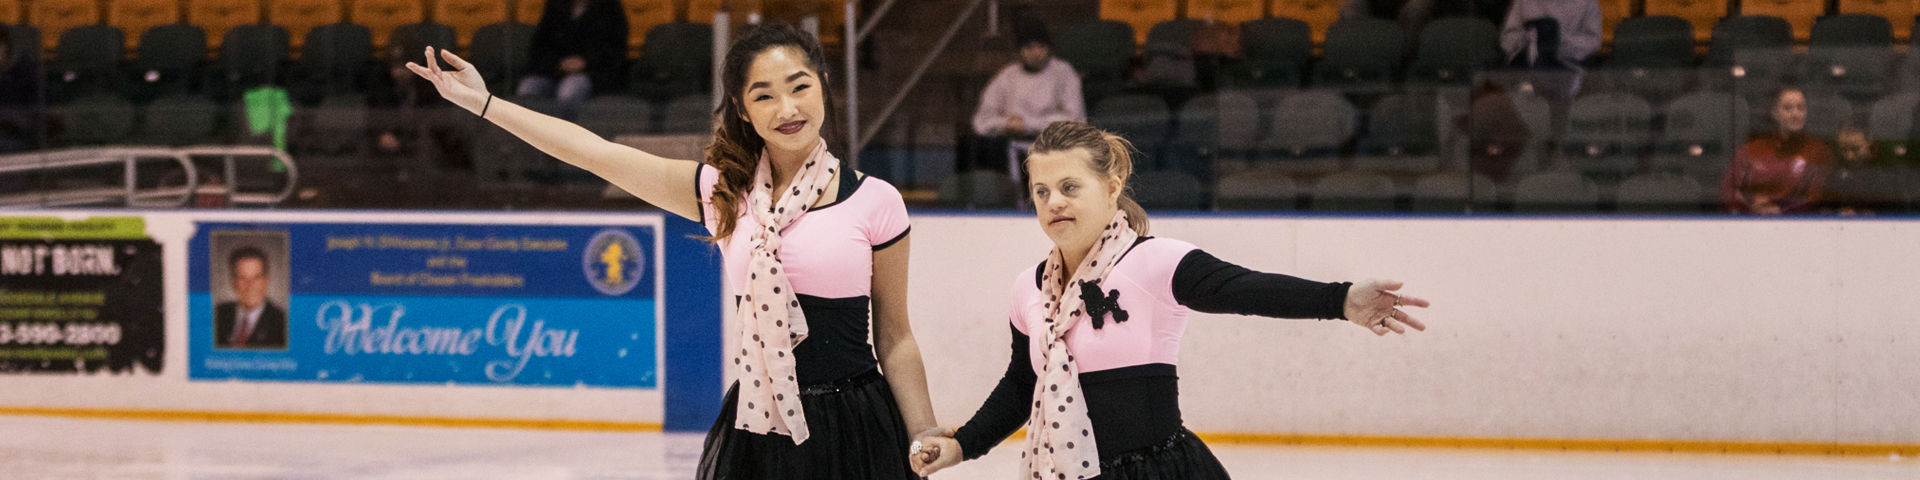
833 21
643 15
1898 12
1611 12
1229 11
467 16
1141 14
382 16
828 12
528 11
9 11
54 17
1799 13
134 17
301 16
1319 14
218 16
701 11
1703 13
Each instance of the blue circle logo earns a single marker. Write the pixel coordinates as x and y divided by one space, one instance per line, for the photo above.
613 262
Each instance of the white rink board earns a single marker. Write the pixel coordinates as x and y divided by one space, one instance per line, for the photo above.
1563 328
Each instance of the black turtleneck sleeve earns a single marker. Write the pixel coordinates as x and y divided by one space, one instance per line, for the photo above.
1207 284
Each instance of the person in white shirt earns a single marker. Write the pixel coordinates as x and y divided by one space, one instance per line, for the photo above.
250 321
1025 97
1526 37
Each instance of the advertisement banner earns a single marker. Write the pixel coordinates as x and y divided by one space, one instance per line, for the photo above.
80 296
526 305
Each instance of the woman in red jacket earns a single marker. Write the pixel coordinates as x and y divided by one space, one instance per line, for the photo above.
1781 169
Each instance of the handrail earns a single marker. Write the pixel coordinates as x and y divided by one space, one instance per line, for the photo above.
873 126
130 194
230 152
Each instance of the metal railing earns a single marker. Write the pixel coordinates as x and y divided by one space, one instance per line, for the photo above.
131 190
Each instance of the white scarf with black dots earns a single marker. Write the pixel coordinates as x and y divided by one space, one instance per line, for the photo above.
1059 434
770 317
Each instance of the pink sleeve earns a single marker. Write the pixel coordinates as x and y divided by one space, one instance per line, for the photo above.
1162 256
887 222
1022 288
703 181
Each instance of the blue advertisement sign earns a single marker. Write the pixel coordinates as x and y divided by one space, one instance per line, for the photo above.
524 305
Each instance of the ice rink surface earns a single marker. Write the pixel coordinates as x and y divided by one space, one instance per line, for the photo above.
65 448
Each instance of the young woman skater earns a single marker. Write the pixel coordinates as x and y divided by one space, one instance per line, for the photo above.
1097 326
808 246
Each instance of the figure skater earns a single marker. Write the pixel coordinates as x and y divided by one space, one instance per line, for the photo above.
809 247
1097 326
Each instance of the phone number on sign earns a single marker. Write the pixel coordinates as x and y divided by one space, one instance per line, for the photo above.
50 333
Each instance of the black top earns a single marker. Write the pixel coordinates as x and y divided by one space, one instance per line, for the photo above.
1139 406
836 346
598 36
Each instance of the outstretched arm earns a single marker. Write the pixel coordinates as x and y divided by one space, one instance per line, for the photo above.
1207 284
662 182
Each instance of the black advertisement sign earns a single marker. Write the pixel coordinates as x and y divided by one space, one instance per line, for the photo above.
80 296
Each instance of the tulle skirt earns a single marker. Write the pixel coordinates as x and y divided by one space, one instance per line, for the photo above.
1181 457
856 432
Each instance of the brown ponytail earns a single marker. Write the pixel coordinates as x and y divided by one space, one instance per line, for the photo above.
1106 153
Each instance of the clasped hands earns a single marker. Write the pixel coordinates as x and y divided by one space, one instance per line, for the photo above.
937 451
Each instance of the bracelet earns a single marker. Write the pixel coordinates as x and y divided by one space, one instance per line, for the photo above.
489 104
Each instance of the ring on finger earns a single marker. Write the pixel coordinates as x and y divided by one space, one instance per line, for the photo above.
915 448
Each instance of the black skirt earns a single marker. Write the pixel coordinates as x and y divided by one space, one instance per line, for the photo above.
1181 457
856 432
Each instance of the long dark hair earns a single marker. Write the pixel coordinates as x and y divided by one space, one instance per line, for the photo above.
736 146
1786 143
1107 154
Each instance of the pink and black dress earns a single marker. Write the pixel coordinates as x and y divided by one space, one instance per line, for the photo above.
1127 356
856 428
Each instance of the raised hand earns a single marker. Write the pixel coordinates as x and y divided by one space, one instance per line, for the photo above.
462 86
1374 305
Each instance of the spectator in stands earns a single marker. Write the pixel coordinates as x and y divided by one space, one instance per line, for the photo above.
1024 97
18 96
405 114
1857 185
1557 34
1781 169
577 44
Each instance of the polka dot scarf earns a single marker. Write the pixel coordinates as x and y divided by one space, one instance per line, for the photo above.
771 320
1059 435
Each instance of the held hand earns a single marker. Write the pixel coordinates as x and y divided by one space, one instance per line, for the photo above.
931 446
462 86
1372 304
940 453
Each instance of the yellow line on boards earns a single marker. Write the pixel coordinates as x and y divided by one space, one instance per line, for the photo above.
1621 445
277 417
